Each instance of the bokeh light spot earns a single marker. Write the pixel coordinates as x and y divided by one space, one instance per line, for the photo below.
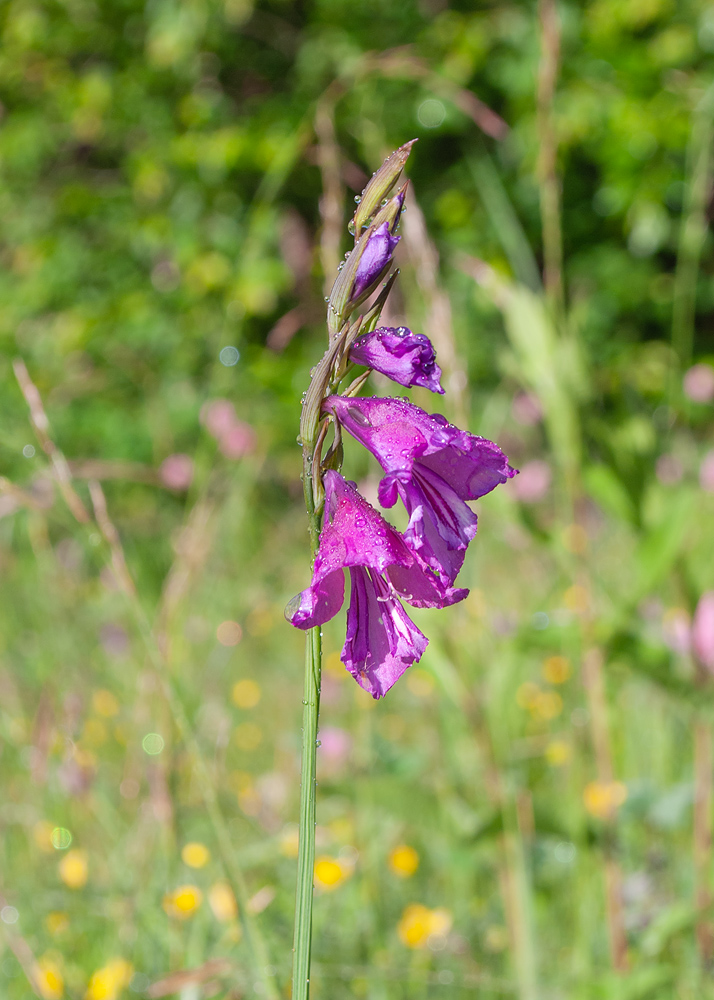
229 633
153 743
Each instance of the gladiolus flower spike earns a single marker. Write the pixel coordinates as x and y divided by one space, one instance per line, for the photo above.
432 466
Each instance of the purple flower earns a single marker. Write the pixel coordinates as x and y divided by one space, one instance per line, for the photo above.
406 357
433 466
381 641
703 631
375 257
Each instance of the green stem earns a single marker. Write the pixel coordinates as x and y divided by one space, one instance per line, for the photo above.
302 944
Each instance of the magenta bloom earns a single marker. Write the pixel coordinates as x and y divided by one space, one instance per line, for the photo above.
433 466
407 358
703 631
375 258
382 641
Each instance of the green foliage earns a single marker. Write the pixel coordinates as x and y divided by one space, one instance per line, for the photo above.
160 189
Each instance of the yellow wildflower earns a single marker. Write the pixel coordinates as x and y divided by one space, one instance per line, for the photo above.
557 669
183 902
557 753
418 923
403 861
603 798
195 855
74 869
547 705
289 840
246 693
526 694
248 736
222 902
56 922
108 982
48 979
105 703
42 835
577 599
329 873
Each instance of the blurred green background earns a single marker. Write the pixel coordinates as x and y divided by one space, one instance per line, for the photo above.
528 813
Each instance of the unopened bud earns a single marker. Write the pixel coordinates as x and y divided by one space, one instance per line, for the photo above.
381 184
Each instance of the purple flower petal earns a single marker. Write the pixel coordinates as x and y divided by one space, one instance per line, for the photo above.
374 259
355 536
433 466
407 358
382 641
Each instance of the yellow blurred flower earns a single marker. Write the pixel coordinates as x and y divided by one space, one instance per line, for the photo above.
557 669
547 705
246 693
289 840
195 855
74 869
603 798
183 902
222 902
496 938
526 694
48 979
557 753
105 703
95 732
403 860
576 598
248 736
56 922
330 872
418 923
108 982
42 835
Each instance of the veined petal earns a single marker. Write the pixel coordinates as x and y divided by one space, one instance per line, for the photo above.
382 641
400 434
441 525
317 603
407 358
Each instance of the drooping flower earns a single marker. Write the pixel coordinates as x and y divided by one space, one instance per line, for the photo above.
407 358
382 641
433 466
375 258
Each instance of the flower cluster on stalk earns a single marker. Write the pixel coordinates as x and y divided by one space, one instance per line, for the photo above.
433 467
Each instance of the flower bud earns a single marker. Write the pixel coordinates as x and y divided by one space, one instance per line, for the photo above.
380 184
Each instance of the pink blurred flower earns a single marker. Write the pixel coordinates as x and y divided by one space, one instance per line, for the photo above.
703 631
669 469
526 409
176 471
699 383
534 481
706 473
238 441
218 416
335 743
235 438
